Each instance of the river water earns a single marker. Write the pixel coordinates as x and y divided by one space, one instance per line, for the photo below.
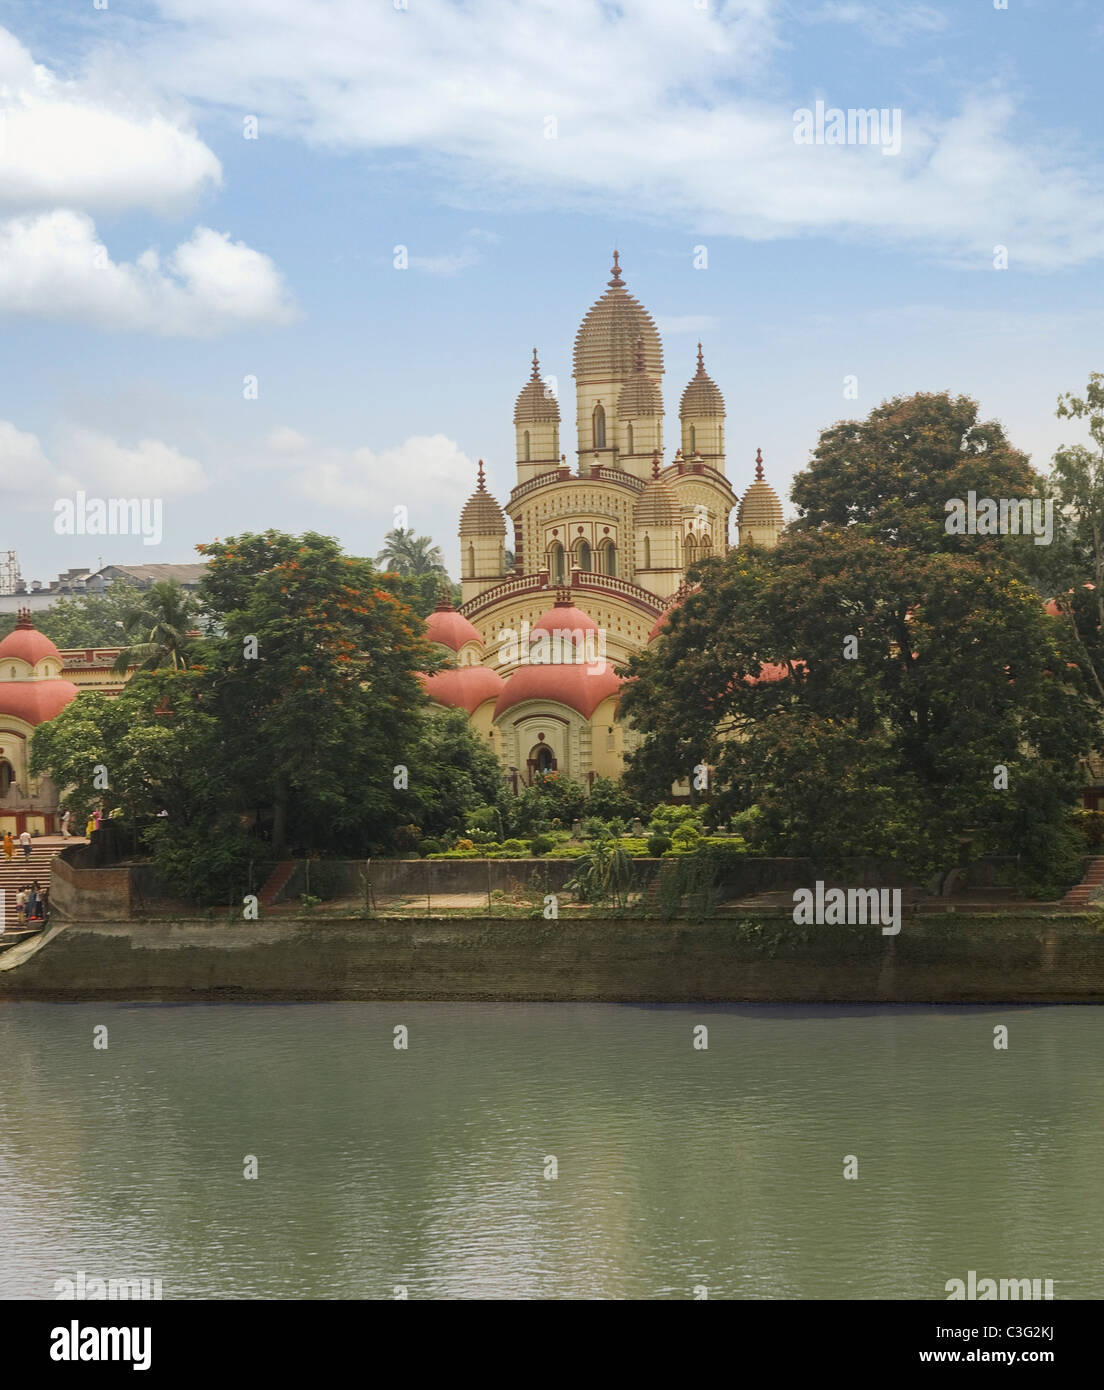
430 1169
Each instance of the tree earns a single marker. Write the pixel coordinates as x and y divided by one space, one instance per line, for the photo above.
314 681
895 471
865 698
1078 475
408 554
422 592
452 772
164 614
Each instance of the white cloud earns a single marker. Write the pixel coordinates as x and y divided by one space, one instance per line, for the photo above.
53 265
78 143
106 468
24 468
889 24
657 106
422 467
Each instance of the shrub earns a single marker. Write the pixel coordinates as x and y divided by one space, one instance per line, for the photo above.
658 844
514 847
428 847
566 852
592 827
541 844
609 800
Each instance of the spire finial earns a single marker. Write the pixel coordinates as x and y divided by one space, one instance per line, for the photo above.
758 465
701 362
23 621
482 480
655 463
536 366
639 353
616 282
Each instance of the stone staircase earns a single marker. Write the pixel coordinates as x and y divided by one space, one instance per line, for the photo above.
1078 896
19 870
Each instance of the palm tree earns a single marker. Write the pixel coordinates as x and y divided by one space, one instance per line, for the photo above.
164 614
406 553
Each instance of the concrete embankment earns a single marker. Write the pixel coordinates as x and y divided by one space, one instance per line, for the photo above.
1014 959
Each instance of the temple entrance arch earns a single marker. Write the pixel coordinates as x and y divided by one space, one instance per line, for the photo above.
7 777
541 759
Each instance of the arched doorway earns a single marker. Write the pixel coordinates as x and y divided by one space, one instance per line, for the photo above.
541 760
7 777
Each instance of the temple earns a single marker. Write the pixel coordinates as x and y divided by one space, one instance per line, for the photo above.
600 549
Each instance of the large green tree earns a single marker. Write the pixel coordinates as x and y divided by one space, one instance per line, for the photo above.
895 471
905 682
86 620
313 679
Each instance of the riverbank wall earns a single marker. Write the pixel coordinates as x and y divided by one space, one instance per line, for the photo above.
934 959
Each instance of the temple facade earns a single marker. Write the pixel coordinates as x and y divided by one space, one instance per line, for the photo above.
601 547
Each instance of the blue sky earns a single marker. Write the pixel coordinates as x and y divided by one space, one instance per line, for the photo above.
151 258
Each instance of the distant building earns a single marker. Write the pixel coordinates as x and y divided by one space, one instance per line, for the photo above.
36 597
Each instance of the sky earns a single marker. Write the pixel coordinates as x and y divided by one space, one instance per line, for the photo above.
201 201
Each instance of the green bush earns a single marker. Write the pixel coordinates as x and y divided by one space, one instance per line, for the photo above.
635 845
458 854
428 847
541 844
514 847
658 844
566 852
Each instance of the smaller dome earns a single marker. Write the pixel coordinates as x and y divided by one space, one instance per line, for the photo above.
535 403
35 702
466 687
657 505
580 686
640 395
564 615
482 516
702 397
26 643
450 629
760 506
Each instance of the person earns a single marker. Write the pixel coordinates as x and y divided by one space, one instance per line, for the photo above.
25 841
88 829
44 904
66 817
9 845
97 816
21 905
32 902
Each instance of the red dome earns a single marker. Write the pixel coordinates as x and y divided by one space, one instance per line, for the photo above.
579 685
1052 608
465 688
28 645
564 617
451 629
35 702
660 624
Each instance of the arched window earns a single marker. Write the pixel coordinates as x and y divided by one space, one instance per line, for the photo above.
7 776
556 442
556 563
693 440
599 426
647 551
720 438
705 541
583 556
631 449
501 557
525 446
688 549
470 567
608 558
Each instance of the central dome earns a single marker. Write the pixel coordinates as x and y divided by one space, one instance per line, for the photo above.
605 345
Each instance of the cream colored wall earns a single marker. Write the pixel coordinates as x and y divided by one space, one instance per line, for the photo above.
626 626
